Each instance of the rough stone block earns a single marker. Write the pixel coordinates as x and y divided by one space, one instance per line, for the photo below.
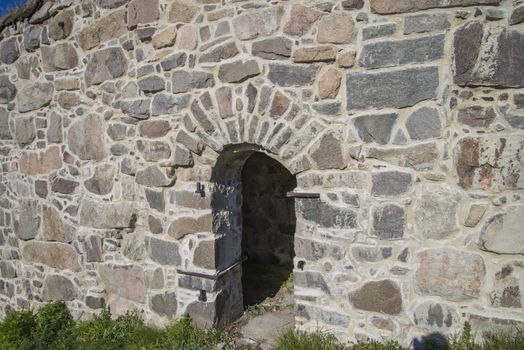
310 280
35 95
502 234
424 124
449 273
375 128
182 11
105 65
220 53
56 255
378 296
394 89
7 90
484 162
165 38
476 116
164 304
61 26
5 131
389 222
142 12
174 61
101 182
32 38
25 131
327 216
436 211
184 226
37 163
504 54
9 51
292 75
259 23
106 215
93 248
316 250
154 151
379 31
126 281
336 28
431 315
278 48
391 183
138 109
85 138
152 84
163 252
329 317
385 7
397 52
184 81
27 222
238 72
107 28
301 20
59 288
426 23
418 157
327 152
205 255
314 54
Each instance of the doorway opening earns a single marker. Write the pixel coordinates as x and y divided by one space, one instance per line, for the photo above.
268 228
254 225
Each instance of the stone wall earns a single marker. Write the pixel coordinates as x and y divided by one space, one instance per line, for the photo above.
406 116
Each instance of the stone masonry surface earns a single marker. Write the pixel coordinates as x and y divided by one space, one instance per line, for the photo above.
406 116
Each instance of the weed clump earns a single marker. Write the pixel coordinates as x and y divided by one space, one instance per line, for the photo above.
297 340
53 328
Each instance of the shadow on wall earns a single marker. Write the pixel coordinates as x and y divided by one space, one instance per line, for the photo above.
432 341
268 227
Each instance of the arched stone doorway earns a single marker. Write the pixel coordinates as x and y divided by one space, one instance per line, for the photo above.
254 226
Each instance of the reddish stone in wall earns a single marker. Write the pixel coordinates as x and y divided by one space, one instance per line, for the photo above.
490 163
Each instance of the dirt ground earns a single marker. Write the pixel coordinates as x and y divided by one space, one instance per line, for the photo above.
263 322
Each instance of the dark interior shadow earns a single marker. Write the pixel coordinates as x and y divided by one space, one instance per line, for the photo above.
432 341
268 227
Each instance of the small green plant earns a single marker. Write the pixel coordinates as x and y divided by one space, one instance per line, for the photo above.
297 340
260 309
501 340
16 327
374 345
182 335
53 329
288 284
466 341
125 332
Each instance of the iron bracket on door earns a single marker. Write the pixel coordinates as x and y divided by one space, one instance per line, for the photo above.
302 195
217 275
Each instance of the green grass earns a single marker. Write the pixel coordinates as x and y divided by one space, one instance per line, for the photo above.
296 340
53 328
